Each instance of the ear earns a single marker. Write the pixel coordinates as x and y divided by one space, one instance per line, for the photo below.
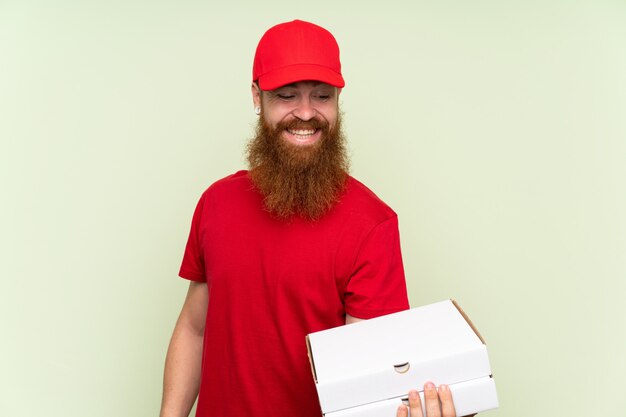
256 95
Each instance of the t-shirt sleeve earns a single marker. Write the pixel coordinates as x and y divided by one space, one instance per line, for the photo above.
377 284
192 267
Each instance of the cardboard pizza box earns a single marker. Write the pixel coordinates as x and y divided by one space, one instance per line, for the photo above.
366 368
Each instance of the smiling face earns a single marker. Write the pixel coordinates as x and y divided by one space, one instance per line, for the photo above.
297 158
302 111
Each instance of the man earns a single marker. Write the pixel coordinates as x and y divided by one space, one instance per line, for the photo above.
292 246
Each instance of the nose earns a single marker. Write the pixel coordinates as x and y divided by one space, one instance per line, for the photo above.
305 110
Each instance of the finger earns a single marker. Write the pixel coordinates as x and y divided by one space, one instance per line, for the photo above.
447 405
432 400
415 404
403 411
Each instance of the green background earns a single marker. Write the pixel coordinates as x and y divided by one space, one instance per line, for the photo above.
495 129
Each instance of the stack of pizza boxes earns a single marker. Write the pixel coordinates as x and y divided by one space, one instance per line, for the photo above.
366 369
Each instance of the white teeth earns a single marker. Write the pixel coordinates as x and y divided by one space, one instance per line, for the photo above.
302 132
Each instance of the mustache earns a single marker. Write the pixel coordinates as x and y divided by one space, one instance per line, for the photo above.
298 124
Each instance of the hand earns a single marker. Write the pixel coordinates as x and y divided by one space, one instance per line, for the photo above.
438 403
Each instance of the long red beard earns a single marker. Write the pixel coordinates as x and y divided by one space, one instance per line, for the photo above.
298 180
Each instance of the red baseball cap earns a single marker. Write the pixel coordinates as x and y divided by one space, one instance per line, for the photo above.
296 51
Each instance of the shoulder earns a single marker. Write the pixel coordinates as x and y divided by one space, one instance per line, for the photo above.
361 200
230 181
234 189
229 184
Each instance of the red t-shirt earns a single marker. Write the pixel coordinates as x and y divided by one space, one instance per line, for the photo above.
272 282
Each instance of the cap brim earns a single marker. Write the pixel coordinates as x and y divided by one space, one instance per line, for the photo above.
300 72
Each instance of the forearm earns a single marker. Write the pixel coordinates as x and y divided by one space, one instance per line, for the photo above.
181 380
